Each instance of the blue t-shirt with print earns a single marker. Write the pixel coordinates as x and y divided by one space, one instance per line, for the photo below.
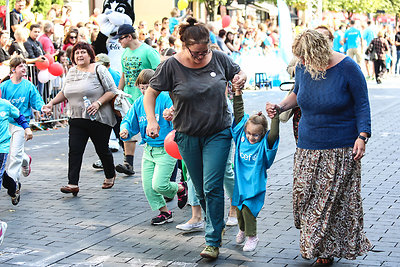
23 96
353 37
251 164
7 111
135 120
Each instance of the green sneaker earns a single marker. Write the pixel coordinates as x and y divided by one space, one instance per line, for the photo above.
210 252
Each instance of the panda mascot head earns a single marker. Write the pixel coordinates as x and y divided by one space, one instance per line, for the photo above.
115 13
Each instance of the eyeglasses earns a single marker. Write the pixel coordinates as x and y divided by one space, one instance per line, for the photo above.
72 37
199 54
122 37
254 135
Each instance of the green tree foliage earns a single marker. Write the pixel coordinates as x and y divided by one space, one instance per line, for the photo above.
352 6
41 6
211 4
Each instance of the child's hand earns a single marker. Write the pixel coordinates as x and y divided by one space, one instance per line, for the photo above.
124 134
28 134
272 110
168 113
238 82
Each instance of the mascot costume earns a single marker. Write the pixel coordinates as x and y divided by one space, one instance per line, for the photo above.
115 13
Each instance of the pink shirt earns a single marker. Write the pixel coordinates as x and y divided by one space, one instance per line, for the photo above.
47 44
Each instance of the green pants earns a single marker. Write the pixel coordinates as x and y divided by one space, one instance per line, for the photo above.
247 222
157 167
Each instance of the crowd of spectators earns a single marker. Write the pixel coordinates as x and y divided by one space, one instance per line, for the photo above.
32 35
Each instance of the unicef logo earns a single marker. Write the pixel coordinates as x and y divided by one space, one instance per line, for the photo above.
2 114
242 139
254 157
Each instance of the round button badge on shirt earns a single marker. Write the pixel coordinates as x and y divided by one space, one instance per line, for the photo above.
213 74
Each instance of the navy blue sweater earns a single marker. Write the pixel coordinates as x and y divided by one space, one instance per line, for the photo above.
335 109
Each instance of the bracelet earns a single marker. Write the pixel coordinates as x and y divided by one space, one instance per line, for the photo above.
98 102
279 109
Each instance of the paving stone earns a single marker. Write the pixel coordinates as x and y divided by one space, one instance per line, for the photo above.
111 227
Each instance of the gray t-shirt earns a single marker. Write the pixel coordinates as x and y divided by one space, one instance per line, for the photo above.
200 103
79 84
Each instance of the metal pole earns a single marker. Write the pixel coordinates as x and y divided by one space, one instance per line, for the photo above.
8 15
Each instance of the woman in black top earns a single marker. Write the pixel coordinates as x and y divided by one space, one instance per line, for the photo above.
196 79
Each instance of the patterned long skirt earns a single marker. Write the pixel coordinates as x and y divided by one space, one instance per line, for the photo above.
327 203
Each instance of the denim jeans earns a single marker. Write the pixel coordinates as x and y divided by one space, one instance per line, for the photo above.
157 167
205 158
229 182
396 70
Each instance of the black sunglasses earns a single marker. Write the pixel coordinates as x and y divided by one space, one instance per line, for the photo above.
199 54
122 37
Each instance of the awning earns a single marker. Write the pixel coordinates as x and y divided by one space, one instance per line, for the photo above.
269 8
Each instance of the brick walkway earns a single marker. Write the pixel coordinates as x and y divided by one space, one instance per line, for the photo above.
111 227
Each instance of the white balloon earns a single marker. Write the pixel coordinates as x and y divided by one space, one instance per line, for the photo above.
52 77
43 76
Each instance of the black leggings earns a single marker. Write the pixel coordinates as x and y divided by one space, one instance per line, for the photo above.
79 132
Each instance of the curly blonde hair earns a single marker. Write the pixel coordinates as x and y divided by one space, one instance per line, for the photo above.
314 50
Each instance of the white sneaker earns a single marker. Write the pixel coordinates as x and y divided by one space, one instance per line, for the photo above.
232 221
113 145
26 167
3 228
191 227
251 243
240 237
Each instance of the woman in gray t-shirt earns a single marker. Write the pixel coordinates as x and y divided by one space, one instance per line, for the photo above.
196 79
87 80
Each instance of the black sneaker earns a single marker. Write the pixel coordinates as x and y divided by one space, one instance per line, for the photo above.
16 198
98 165
182 196
125 168
163 217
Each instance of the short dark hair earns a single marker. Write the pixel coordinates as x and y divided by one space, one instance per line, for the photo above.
85 46
15 61
221 33
34 26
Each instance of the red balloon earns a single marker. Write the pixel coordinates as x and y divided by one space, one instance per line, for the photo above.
171 147
226 20
42 65
56 69
50 58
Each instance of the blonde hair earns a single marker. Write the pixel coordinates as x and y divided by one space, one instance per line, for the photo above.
258 119
314 49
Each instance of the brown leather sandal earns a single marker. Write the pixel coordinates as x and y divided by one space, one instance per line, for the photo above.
323 262
107 185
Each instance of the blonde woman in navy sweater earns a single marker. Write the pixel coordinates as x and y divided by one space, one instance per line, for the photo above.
333 131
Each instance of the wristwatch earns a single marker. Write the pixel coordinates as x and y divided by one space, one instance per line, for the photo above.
365 139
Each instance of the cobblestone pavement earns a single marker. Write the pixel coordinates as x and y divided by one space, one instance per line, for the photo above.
112 227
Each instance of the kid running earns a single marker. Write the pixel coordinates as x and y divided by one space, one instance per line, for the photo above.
24 96
157 165
256 148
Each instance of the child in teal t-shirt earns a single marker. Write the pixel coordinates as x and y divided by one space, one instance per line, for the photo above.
7 110
255 152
